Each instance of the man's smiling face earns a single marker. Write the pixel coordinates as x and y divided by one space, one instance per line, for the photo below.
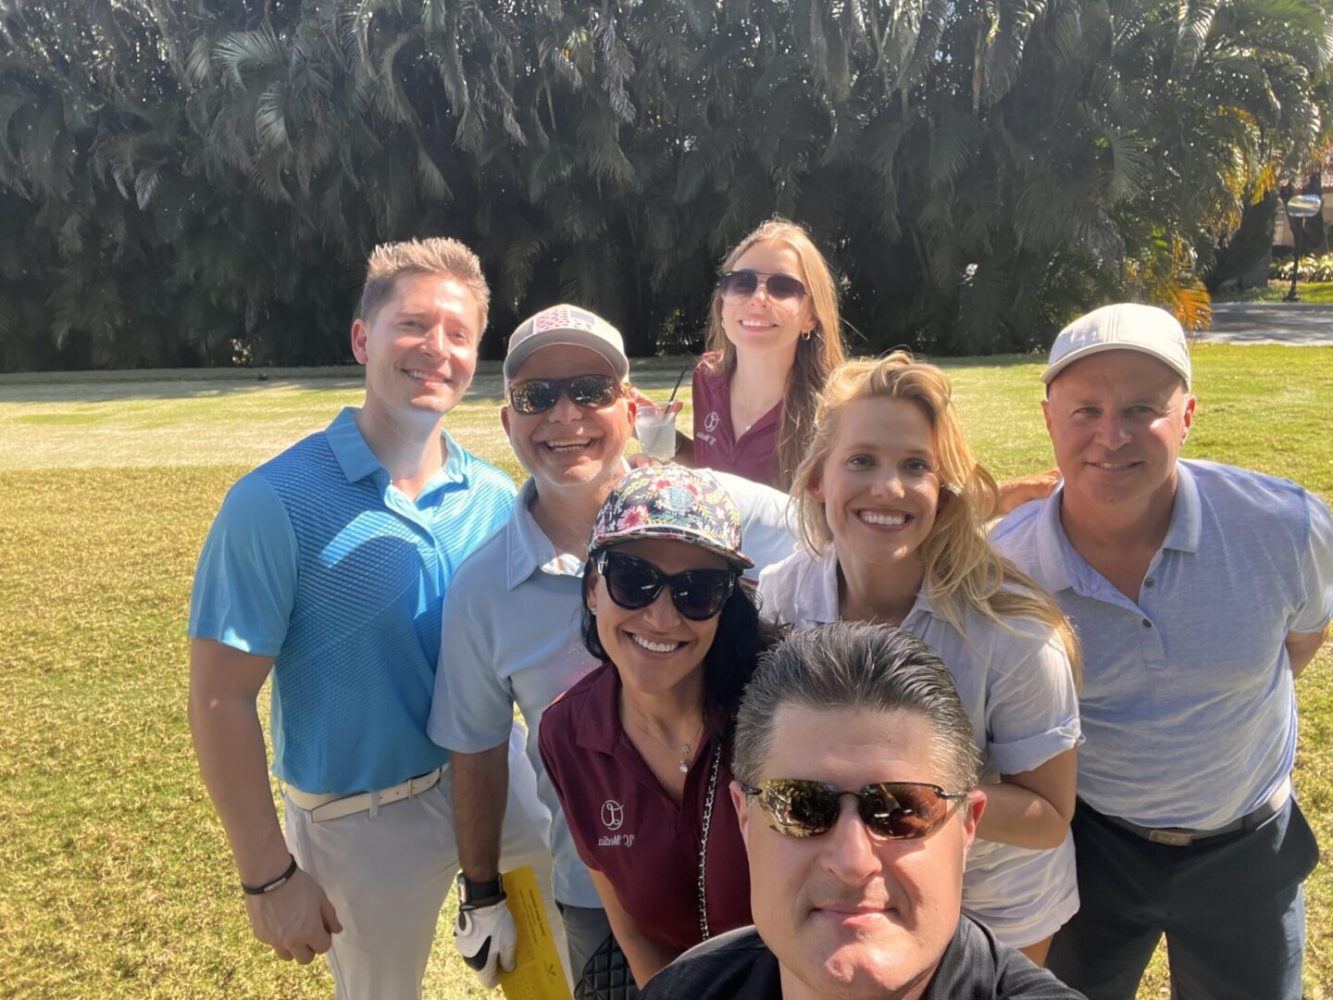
419 348
1117 422
569 445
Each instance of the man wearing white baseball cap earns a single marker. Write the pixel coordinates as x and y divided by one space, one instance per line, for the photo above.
1200 591
511 625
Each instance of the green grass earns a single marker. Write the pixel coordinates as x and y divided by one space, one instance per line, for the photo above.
1314 292
116 878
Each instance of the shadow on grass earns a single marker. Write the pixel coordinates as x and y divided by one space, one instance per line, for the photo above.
192 383
652 374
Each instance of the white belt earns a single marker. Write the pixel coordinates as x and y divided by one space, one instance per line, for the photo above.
326 807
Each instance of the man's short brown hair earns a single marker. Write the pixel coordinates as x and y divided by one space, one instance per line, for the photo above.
437 255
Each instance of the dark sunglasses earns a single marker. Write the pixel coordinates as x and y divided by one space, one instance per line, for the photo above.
743 284
895 810
634 583
537 395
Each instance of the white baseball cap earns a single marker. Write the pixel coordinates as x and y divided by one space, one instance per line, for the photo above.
566 324
1125 326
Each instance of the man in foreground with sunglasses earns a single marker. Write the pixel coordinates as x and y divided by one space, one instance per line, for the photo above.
511 618
856 790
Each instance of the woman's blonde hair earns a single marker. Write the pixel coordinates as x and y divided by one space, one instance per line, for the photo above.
816 355
962 569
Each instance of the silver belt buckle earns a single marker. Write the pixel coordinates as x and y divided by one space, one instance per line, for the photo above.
1172 838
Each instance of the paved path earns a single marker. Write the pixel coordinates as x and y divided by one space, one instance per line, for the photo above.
1269 323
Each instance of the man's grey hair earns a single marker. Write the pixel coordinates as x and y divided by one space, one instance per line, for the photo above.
862 667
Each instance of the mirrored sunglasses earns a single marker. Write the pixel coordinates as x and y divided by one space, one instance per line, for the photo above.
634 583
743 284
537 395
894 810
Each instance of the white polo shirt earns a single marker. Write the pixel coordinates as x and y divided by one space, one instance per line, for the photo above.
1188 704
1018 690
512 635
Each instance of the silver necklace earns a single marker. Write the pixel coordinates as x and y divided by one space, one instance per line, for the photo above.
685 748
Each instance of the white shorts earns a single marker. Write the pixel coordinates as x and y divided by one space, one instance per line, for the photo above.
1023 896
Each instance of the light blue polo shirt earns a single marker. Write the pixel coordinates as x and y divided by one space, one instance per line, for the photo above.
1188 706
512 635
317 560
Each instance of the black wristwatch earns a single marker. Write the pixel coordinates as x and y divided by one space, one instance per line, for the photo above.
475 893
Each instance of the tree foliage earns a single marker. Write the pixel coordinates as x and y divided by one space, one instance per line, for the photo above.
199 181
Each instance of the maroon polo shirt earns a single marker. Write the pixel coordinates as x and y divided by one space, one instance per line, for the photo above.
715 445
628 828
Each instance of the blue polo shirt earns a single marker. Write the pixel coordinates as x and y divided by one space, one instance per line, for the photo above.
1188 706
317 560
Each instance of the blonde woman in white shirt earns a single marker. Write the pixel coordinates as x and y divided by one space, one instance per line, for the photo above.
893 511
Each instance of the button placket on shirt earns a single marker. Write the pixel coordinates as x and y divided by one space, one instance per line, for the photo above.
1150 636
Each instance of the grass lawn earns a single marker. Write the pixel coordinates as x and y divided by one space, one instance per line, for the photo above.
1314 292
116 878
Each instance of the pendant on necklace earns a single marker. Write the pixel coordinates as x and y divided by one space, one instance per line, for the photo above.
684 768
685 759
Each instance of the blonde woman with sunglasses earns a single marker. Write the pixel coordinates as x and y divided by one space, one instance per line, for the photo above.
893 510
773 337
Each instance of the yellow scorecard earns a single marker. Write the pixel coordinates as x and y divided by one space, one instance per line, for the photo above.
538 974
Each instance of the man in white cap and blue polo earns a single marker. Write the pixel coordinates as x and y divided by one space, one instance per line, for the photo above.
1200 591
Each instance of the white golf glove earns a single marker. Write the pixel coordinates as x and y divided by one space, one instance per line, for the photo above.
486 938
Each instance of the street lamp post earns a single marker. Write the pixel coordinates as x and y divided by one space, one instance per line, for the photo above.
1299 207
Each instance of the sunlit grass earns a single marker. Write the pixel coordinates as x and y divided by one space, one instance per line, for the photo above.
1313 292
116 879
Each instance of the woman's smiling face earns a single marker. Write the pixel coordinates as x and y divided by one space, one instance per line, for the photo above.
759 322
656 648
879 484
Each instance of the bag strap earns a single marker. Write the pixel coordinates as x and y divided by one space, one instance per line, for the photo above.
703 844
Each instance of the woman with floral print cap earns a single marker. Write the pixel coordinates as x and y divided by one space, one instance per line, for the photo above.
639 751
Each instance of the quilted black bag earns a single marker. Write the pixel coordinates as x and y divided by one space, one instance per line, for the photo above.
607 975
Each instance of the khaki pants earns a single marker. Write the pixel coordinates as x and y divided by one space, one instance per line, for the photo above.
388 874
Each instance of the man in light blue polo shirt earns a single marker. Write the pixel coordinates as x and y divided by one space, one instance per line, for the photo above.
1200 591
327 566
511 620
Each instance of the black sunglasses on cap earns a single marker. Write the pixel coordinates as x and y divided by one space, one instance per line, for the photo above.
894 810
537 395
743 284
634 583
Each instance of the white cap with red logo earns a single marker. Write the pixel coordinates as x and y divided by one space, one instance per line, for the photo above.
566 324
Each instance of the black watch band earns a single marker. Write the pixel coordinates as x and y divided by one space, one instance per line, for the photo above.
470 892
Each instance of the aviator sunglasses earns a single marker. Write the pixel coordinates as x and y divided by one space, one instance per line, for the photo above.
743 284
895 810
634 583
537 395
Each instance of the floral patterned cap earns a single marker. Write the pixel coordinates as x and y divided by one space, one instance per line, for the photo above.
676 503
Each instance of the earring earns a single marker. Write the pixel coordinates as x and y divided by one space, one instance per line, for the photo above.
805 334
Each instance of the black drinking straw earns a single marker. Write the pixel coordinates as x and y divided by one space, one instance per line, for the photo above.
672 398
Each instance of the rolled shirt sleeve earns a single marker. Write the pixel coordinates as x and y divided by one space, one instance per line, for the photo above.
1315 612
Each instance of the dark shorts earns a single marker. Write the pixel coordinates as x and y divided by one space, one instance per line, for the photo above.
1232 909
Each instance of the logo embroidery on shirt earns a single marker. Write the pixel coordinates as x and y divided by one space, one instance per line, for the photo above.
613 816
711 421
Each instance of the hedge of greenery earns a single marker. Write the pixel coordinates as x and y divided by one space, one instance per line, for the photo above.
198 181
